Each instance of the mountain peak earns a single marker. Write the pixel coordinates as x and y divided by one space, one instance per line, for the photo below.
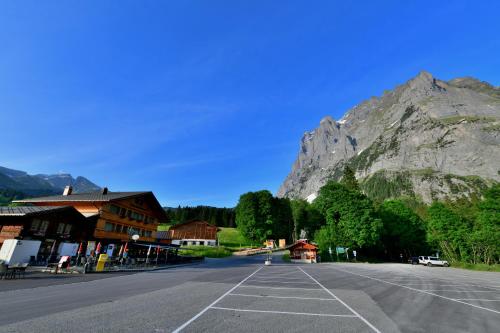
327 120
422 128
425 75
43 183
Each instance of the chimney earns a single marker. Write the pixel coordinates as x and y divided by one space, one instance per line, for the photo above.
68 190
104 191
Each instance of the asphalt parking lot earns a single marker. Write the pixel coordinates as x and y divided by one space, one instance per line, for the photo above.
281 296
243 295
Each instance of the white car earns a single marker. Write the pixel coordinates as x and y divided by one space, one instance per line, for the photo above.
432 261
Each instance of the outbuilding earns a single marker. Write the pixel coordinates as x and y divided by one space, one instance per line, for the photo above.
303 251
190 233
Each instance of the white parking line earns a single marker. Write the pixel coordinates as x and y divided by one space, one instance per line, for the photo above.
440 285
285 312
275 281
479 299
293 297
418 290
343 303
258 276
264 287
459 291
180 328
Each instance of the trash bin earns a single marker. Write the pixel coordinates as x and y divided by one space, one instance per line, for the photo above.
101 262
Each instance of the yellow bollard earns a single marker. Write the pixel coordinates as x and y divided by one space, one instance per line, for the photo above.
100 263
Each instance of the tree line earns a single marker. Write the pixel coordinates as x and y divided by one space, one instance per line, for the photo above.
341 215
221 217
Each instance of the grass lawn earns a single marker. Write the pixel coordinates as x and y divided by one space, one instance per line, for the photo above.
477 267
205 251
233 240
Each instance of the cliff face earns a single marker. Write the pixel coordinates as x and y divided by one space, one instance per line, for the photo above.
426 138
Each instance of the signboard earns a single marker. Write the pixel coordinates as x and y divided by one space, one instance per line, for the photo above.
90 247
330 250
68 249
354 253
110 249
340 250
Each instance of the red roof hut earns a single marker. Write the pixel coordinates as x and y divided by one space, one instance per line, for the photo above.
303 251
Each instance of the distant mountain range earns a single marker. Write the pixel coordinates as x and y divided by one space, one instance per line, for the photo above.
20 182
428 139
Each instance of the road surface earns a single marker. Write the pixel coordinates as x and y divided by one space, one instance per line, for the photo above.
242 295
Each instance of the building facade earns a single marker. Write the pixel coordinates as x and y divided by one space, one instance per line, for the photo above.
116 215
190 233
51 225
303 251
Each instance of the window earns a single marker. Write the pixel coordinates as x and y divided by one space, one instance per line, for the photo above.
114 209
43 226
123 212
125 229
60 228
136 216
108 226
148 233
67 229
35 224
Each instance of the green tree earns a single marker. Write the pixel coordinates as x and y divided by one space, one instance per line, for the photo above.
349 179
306 219
485 238
448 232
254 215
299 215
350 214
403 231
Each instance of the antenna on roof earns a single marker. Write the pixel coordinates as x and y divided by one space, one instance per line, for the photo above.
104 190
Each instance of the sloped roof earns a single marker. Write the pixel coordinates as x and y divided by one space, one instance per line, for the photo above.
30 210
302 244
97 196
89 196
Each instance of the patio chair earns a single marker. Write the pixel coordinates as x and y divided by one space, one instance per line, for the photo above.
22 270
12 270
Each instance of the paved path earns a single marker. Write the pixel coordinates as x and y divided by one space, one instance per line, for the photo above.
241 295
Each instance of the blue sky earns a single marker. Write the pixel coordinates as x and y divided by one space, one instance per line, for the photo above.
201 101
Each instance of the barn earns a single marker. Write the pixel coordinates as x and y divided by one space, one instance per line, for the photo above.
190 233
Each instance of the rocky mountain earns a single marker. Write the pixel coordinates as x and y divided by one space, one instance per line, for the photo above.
33 185
428 139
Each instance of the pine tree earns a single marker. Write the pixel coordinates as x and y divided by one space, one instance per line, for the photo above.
349 179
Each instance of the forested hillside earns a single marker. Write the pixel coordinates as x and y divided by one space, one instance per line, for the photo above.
221 217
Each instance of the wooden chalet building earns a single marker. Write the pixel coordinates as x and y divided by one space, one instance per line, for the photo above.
116 215
303 251
51 225
190 233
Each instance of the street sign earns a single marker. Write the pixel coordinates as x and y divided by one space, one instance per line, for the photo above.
340 250
354 253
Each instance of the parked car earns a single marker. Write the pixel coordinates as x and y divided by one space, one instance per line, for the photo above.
413 260
432 261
